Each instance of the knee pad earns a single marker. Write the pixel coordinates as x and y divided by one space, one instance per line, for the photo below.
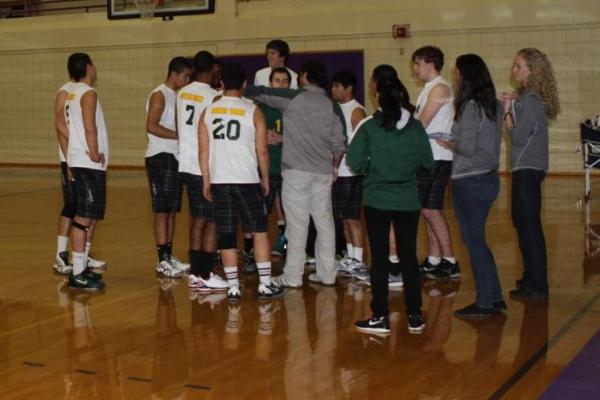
227 240
68 210
77 225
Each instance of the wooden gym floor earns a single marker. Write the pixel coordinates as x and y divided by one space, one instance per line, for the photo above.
145 339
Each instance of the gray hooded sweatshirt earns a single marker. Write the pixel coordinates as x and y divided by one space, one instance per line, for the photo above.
529 136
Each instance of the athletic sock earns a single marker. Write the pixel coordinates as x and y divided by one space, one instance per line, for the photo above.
63 242
248 245
394 259
231 273
88 246
281 226
78 262
264 272
433 260
170 248
451 260
349 250
206 266
358 254
196 262
163 252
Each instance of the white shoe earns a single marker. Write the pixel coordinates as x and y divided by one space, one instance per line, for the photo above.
214 283
61 266
194 282
351 267
269 292
180 265
165 268
234 293
313 278
95 264
362 274
395 281
280 281
310 260
346 261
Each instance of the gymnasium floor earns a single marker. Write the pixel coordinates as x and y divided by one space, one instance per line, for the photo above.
145 339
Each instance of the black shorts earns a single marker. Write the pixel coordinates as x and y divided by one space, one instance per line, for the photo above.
68 191
165 184
433 183
243 201
199 206
274 190
347 197
90 191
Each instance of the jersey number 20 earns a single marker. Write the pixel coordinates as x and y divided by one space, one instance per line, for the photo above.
232 129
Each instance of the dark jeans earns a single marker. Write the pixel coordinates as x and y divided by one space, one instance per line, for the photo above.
378 229
526 217
472 198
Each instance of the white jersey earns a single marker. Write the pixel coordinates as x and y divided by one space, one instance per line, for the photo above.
347 109
167 120
441 122
231 132
262 78
77 154
191 101
68 88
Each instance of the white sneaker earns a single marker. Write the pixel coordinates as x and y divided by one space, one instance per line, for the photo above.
214 283
180 265
351 267
165 268
310 260
362 274
95 264
194 282
395 281
61 264
234 293
280 281
314 278
269 292
346 261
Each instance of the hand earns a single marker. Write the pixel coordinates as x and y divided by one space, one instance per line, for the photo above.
264 184
96 157
70 175
447 144
206 191
507 99
335 174
274 137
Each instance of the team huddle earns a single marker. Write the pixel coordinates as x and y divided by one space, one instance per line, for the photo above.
286 145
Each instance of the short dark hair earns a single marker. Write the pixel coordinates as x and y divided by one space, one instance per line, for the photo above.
384 72
203 62
77 65
345 78
280 70
178 65
281 46
430 54
316 73
234 76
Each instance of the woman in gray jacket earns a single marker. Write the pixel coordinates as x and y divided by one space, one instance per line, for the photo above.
476 137
526 118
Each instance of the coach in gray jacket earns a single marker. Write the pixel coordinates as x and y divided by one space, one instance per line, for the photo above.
314 143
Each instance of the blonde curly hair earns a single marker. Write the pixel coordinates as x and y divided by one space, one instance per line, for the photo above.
541 79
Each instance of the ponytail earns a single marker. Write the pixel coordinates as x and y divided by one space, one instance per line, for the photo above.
392 98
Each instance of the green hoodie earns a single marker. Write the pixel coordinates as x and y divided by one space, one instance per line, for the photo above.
390 160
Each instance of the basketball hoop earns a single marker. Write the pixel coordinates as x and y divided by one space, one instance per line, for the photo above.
146 8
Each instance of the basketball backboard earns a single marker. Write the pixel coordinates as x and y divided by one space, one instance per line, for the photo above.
121 9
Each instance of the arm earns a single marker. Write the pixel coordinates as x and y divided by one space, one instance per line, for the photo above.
60 122
278 98
530 114
262 150
438 96
357 156
358 114
203 146
470 120
156 106
88 111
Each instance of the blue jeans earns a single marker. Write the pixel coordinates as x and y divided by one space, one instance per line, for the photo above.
526 216
472 198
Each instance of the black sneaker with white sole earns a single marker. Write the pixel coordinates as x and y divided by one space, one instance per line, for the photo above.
82 282
416 324
234 293
446 269
94 276
426 267
380 325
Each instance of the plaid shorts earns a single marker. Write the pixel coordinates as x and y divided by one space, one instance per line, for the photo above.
347 197
199 206
274 191
165 185
68 191
244 201
433 183
90 191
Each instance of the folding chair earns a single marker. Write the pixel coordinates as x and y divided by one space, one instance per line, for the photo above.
590 141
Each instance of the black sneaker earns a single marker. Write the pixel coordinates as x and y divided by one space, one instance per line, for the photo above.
446 269
94 276
249 262
526 294
426 267
416 323
82 282
379 325
474 311
500 306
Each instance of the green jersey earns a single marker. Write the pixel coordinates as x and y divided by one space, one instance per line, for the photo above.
274 121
